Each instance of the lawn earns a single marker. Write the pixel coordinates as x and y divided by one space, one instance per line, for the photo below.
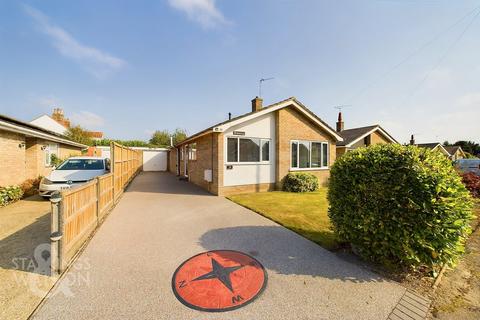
304 213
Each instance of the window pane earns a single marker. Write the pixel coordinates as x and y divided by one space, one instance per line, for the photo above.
232 150
249 150
325 155
294 155
304 154
265 150
316 154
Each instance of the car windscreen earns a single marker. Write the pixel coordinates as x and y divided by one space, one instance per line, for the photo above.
81 164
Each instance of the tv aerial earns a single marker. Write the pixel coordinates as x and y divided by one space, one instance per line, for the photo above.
260 85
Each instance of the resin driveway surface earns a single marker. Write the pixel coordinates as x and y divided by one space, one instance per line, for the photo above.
126 270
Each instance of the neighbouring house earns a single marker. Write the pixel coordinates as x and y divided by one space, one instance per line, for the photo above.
434 146
456 152
26 150
255 151
59 124
360 137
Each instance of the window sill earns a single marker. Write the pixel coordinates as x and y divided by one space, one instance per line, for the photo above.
309 169
246 163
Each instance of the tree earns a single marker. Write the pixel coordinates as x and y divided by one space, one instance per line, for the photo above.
469 146
160 138
179 135
80 135
127 143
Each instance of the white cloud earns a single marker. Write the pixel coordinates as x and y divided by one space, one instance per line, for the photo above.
97 62
202 11
87 119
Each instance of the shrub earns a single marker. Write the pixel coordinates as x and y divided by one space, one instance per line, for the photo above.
30 186
10 194
472 183
55 160
400 205
300 182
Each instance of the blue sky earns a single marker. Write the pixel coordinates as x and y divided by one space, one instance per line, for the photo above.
131 67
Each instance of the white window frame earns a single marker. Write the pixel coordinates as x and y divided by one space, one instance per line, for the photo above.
238 151
292 168
48 153
192 152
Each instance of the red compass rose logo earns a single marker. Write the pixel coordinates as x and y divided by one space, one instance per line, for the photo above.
219 280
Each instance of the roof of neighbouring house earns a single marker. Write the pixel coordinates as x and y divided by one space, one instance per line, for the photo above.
28 129
453 149
95 134
431 145
48 123
270 108
351 136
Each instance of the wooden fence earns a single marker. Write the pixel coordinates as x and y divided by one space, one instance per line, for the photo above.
77 212
126 163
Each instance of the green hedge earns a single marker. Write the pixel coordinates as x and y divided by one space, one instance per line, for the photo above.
10 194
400 205
300 182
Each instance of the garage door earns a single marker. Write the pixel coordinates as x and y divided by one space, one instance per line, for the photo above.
155 160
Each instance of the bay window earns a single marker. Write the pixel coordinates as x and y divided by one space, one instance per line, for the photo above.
309 155
248 150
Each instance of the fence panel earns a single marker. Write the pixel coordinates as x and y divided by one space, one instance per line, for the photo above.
78 211
105 194
79 217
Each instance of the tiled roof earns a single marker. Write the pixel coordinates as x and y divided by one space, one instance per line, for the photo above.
452 149
431 145
30 126
351 135
293 99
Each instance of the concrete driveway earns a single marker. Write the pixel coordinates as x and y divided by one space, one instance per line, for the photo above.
126 270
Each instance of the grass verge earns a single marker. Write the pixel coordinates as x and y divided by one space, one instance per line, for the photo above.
304 213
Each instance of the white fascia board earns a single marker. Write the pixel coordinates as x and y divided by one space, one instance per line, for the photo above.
444 150
284 104
370 132
33 133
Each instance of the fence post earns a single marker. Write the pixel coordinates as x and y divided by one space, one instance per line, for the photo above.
56 234
97 183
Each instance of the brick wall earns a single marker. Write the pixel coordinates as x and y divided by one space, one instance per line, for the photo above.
66 151
340 150
28 161
377 138
172 161
291 125
12 158
205 145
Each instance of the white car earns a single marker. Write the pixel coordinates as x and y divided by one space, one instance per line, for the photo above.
73 172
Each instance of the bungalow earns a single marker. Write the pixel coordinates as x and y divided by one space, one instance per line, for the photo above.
26 150
255 151
456 152
360 137
434 146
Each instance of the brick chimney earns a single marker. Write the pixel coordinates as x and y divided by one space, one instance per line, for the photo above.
58 116
412 140
257 104
340 122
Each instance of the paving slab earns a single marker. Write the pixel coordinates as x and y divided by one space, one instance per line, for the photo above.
24 227
126 270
